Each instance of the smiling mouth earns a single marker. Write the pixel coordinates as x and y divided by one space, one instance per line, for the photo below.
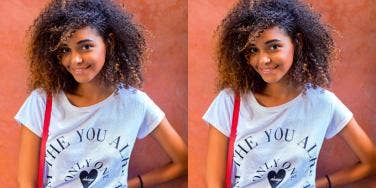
80 70
267 70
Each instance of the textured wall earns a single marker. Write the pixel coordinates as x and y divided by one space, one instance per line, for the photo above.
166 76
354 77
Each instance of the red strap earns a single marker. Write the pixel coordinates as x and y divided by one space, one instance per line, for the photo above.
42 152
234 125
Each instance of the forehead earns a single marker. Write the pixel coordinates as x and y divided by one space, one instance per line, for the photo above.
82 34
272 33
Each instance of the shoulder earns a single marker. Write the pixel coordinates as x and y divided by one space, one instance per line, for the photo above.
223 102
32 111
39 94
226 95
132 95
219 112
320 95
37 97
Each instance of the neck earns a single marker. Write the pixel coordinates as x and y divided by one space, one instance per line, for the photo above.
277 93
89 93
279 90
93 91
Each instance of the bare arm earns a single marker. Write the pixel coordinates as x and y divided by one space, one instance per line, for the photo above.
28 159
216 159
364 149
175 148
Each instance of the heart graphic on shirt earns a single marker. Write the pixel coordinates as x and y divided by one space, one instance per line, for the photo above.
88 178
276 178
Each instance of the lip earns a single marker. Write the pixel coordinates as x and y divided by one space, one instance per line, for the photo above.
80 70
267 70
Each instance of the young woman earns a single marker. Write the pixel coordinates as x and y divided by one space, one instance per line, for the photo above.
276 55
88 56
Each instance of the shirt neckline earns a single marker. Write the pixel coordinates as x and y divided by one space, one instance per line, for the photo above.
275 108
86 108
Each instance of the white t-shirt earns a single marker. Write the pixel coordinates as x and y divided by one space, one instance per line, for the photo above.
278 146
90 146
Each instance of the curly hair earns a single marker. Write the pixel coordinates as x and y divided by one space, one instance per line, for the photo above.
314 48
124 40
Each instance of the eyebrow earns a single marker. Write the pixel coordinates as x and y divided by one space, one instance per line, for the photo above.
272 41
268 42
83 41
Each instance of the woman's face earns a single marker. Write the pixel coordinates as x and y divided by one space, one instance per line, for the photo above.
271 55
84 54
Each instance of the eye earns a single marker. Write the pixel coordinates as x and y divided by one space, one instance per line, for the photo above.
274 47
252 50
87 47
64 50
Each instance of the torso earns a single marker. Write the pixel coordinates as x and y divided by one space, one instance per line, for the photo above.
91 146
278 146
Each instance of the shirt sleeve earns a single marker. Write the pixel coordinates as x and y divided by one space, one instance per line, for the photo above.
219 114
153 115
341 115
31 114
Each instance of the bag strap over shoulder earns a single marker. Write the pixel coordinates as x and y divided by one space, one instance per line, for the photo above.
42 152
234 125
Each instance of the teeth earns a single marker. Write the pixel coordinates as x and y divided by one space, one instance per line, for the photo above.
266 70
78 71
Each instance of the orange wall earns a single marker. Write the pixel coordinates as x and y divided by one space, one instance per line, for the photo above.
354 78
166 76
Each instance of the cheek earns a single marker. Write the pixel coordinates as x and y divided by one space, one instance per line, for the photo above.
64 62
99 57
251 61
291 54
287 57
102 55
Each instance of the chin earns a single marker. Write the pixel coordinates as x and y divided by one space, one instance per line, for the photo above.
83 80
271 80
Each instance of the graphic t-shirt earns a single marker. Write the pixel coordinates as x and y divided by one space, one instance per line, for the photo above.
90 146
278 146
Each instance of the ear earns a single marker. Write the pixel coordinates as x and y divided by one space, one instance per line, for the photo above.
299 40
111 40
112 37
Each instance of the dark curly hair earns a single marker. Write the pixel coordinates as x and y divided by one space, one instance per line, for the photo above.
124 40
313 52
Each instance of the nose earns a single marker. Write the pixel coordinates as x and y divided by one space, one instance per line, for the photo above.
75 58
263 58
